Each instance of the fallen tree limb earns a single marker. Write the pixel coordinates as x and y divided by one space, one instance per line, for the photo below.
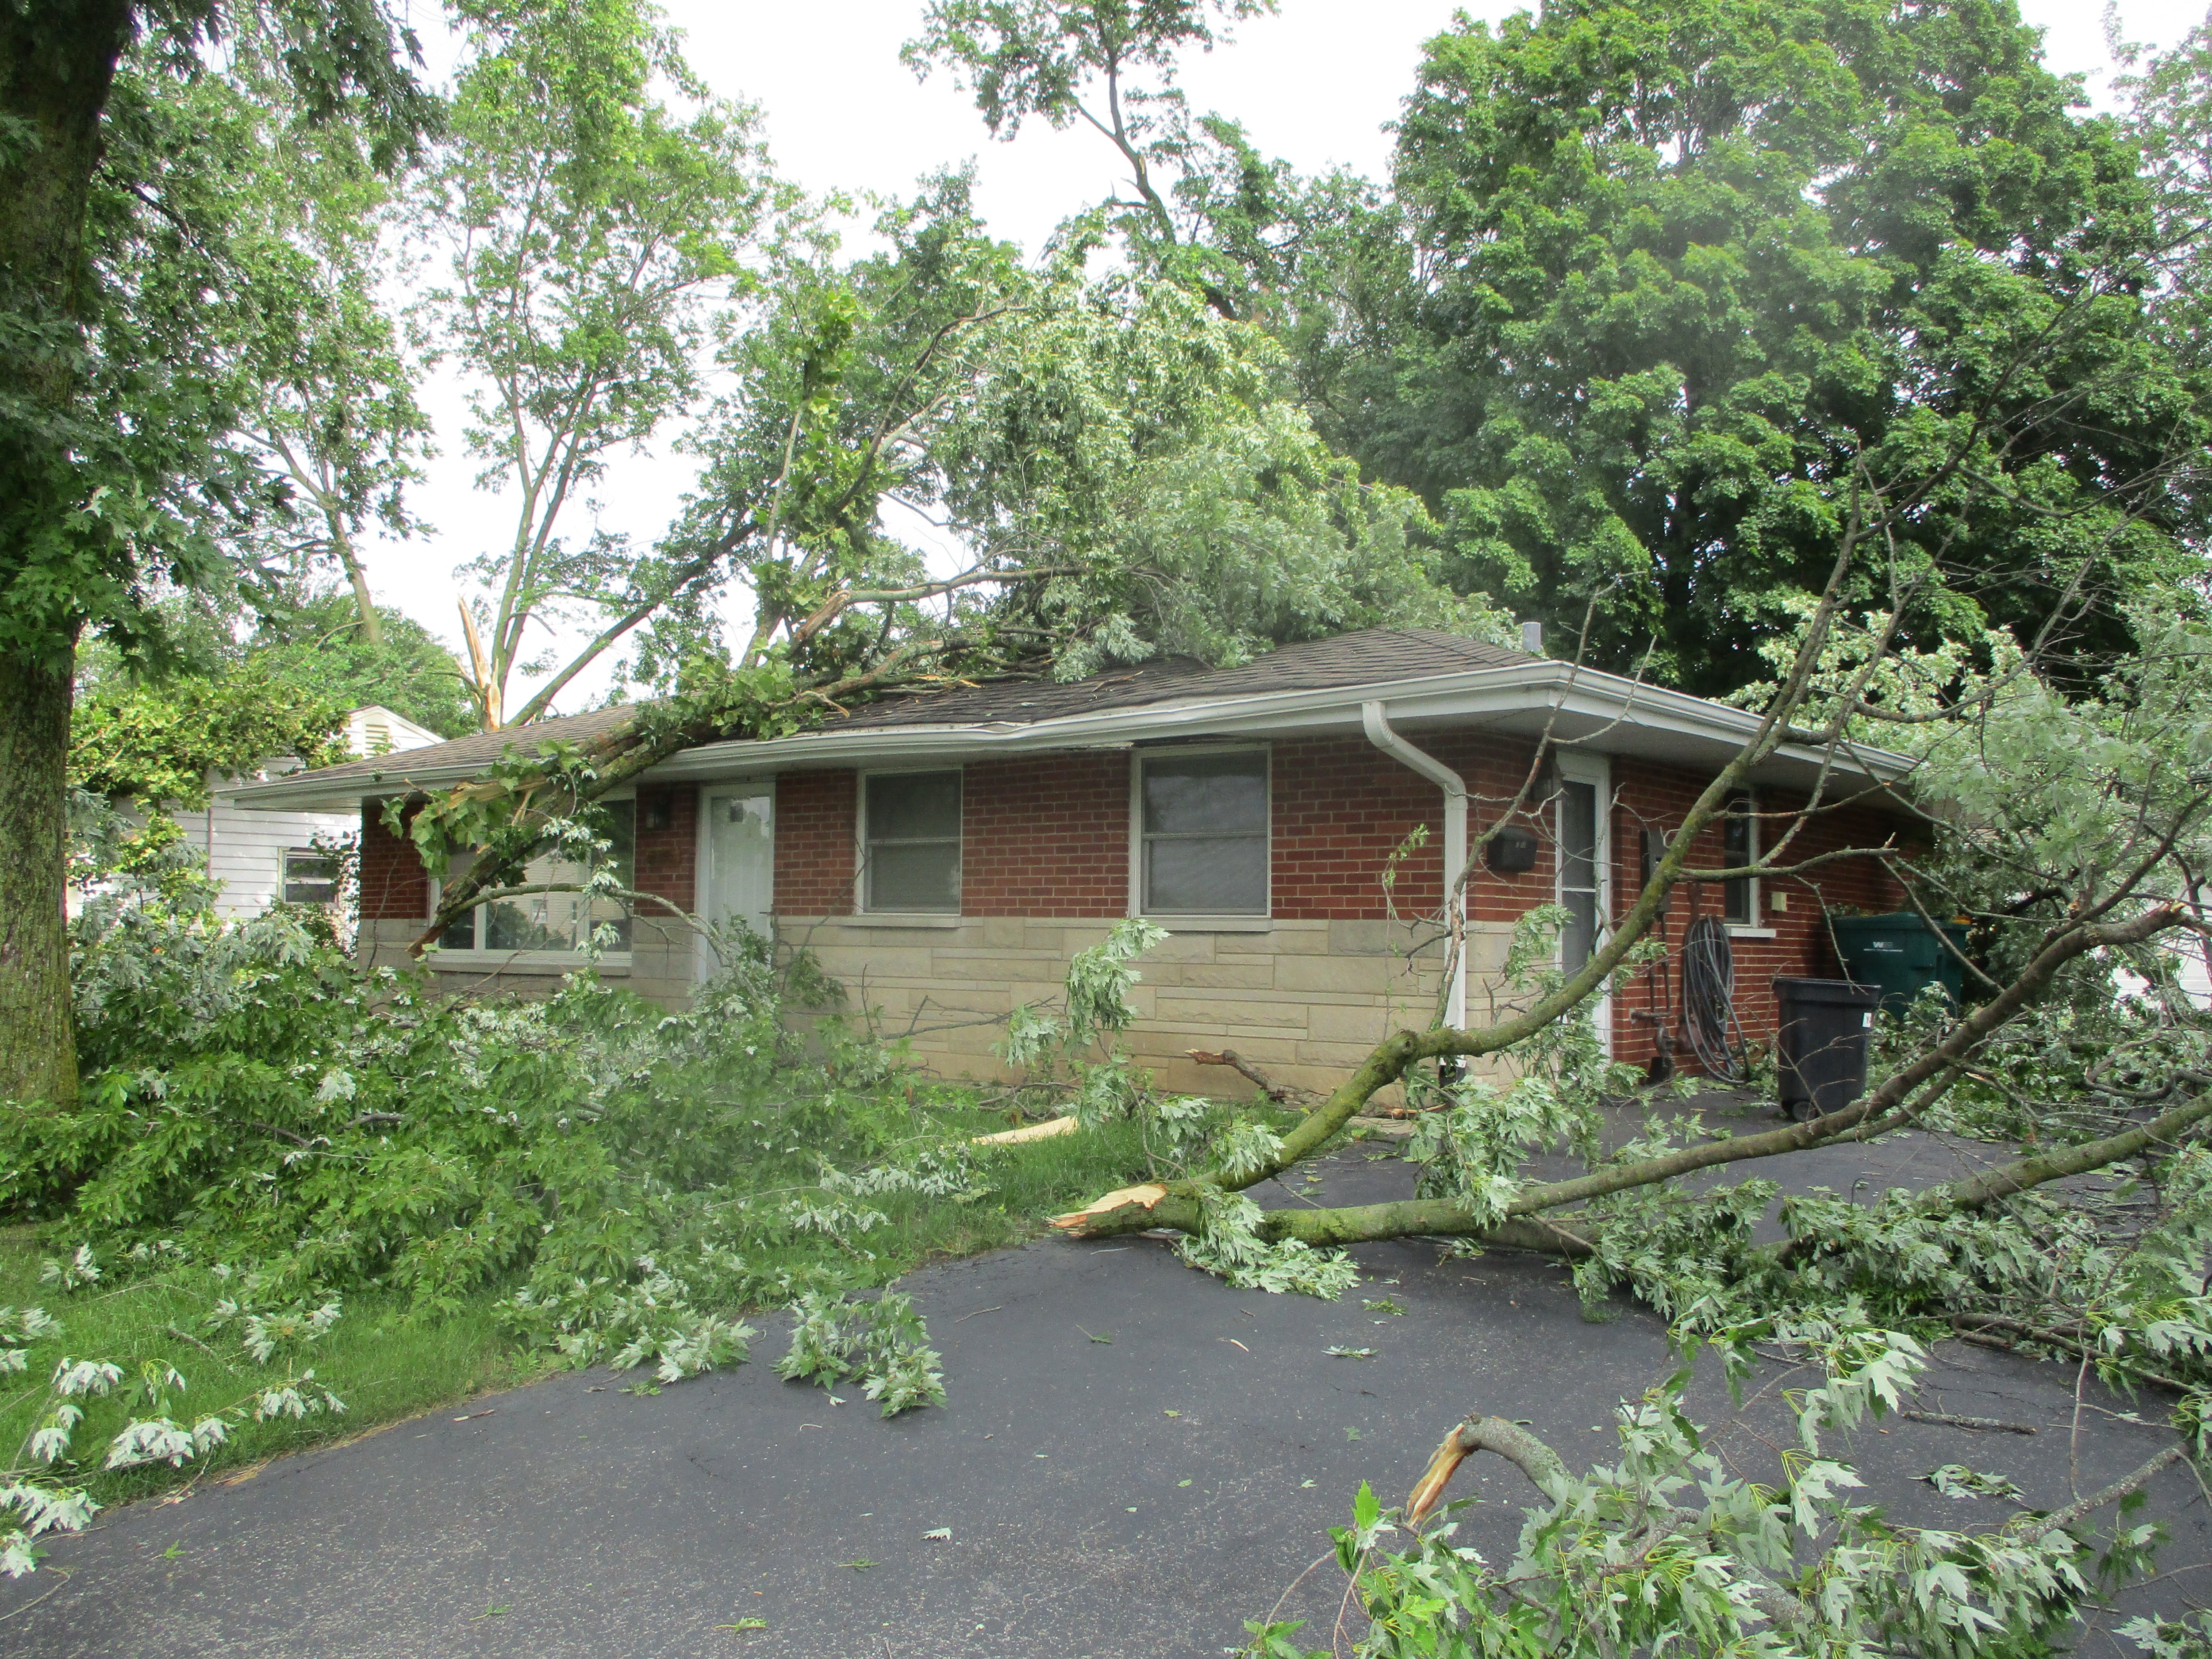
1975 1191
1493 1434
1179 1204
2097 1500
1283 1094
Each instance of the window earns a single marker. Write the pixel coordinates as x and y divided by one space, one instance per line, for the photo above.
910 841
1203 825
309 877
1579 854
557 921
1739 846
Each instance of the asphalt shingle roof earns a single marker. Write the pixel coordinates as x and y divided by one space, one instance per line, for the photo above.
1371 656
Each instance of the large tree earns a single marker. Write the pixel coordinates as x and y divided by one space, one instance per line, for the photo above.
1648 283
1667 274
1120 465
605 219
114 429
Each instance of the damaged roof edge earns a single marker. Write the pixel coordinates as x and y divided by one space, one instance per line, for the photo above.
1606 712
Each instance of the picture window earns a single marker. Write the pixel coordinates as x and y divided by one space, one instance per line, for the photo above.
1203 826
910 847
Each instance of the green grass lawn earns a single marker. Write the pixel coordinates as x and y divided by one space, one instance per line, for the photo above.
388 1363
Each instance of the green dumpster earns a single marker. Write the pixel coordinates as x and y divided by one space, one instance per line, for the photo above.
1898 952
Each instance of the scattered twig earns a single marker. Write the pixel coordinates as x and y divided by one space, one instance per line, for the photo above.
1953 1419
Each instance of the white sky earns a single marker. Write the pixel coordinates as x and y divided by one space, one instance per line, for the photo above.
1314 85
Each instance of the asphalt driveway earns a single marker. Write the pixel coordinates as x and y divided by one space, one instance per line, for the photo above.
1134 1459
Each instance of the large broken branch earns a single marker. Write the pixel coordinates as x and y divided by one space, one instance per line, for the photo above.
1494 1434
1973 1192
1178 1204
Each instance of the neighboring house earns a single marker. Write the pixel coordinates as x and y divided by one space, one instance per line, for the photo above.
260 857
944 854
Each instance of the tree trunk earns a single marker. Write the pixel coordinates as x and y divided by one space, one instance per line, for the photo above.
364 603
57 61
38 1039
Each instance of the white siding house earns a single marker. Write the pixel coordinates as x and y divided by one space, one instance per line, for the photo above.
261 857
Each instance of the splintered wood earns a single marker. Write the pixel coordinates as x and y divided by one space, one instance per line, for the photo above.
1058 1126
1148 1195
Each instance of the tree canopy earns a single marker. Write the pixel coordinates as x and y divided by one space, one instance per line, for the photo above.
1646 283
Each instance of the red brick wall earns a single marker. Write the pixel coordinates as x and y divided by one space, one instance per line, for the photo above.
814 847
1341 806
393 884
1047 836
668 859
1652 797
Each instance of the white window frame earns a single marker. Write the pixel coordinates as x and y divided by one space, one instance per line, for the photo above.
1176 921
477 959
1753 925
284 857
916 918
1598 770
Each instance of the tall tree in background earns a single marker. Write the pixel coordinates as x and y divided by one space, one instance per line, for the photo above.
329 395
2169 112
598 236
1110 65
1669 275
115 429
1651 283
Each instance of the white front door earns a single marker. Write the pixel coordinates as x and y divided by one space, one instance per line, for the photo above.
1585 870
737 860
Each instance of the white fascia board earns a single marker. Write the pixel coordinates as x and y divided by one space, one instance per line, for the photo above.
1528 691
1531 691
301 790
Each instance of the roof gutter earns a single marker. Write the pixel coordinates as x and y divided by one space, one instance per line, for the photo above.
1548 689
1376 723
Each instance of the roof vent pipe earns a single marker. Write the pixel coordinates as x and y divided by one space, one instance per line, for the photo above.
1379 733
1532 638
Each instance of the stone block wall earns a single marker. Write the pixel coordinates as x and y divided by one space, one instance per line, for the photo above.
1305 999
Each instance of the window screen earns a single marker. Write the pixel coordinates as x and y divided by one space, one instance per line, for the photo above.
912 849
310 877
1205 830
1736 851
557 921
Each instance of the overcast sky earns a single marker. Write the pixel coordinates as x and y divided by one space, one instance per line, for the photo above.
1314 85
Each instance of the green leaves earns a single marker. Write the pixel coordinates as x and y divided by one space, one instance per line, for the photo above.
595 233
1657 282
158 742
882 1342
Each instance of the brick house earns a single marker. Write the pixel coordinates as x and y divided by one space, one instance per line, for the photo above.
945 854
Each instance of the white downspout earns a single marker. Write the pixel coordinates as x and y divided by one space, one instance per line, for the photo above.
1454 787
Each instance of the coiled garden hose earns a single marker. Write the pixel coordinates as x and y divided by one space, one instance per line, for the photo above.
1709 1003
